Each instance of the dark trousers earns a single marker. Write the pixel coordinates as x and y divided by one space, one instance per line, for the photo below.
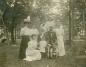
51 51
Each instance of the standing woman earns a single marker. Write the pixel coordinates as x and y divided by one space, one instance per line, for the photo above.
61 47
25 35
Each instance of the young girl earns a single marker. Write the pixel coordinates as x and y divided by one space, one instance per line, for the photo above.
32 53
42 46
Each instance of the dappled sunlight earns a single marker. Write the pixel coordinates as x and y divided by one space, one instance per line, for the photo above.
39 17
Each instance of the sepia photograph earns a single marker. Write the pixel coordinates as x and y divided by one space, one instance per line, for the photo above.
42 33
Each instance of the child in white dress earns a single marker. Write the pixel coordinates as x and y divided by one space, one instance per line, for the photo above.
42 47
32 53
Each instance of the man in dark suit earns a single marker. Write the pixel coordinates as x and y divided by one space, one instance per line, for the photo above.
50 37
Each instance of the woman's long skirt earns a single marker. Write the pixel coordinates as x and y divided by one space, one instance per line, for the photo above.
23 46
61 48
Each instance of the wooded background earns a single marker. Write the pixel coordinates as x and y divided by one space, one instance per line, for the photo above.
70 13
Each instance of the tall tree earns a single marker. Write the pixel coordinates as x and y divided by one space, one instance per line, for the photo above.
78 16
40 11
13 14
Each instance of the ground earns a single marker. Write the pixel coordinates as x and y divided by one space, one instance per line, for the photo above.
13 61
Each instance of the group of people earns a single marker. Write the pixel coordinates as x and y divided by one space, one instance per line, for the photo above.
35 45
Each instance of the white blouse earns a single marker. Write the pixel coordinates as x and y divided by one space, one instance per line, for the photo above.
25 31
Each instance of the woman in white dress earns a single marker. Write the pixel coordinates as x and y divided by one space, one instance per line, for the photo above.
60 41
32 52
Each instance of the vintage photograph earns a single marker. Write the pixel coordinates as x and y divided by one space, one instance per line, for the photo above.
42 33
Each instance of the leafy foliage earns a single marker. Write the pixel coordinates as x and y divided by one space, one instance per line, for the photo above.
40 11
78 16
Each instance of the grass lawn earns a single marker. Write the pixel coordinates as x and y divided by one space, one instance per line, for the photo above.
13 61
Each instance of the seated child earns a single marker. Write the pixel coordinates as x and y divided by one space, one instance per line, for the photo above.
32 53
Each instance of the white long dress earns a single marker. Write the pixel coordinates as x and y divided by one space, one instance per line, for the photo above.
32 53
60 41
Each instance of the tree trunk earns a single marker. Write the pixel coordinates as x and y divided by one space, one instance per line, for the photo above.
12 34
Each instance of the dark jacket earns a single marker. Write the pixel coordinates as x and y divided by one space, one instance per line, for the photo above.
50 37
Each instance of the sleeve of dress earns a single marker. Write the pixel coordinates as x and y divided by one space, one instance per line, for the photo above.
29 45
37 32
62 32
22 32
